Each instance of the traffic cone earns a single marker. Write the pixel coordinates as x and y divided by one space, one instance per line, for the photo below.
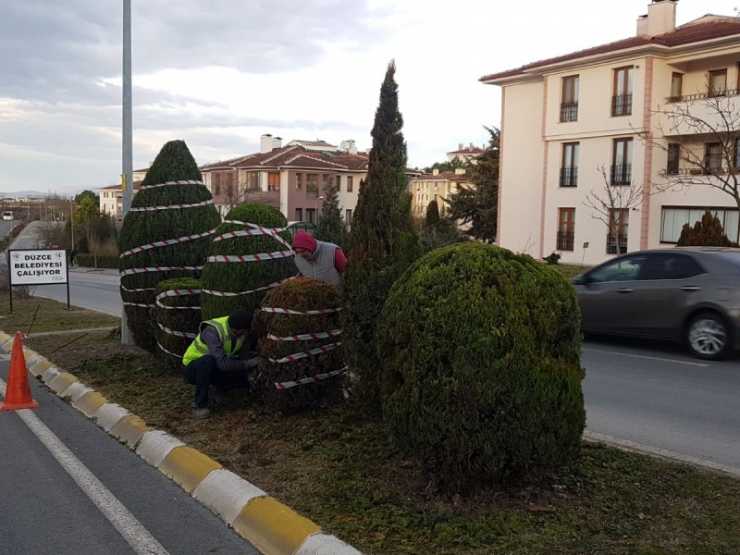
18 391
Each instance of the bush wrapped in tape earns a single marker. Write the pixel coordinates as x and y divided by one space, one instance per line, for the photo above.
177 317
301 345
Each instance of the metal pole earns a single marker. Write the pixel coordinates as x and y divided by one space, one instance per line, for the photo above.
127 168
72 220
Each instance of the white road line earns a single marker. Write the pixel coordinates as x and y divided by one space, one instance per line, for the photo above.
657 451
672 360
142 542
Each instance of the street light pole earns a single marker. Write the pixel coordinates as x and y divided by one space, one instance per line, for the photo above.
127 168
72 220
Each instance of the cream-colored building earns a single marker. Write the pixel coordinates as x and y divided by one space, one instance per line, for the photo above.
587 127
434 187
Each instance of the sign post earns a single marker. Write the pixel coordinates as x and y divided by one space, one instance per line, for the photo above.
38 267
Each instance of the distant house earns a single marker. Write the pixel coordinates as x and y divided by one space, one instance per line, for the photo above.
437 187
465 153
111 197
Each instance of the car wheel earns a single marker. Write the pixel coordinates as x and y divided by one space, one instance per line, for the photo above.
707 336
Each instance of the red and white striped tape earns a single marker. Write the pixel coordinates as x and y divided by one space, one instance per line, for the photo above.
306 336
255 229
183 334
140 305
230 294
298 312
311 379
170 207
177 293
166 351
250 257
168 183
143 290
132 271
167 242
306 354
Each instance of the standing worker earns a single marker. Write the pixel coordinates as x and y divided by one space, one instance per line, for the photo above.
219 359
319 259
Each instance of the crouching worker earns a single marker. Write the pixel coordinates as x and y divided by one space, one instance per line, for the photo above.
319 259
219 359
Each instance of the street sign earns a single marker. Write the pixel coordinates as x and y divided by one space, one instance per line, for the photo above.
37 267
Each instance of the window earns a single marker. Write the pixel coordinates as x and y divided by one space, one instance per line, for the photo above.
569 102
299 214
339 183
669 266
736 154
216 184
230 189
676 87
718 82
299 181
312 186
311 215
566 229
349 183
674 218
253 181
622 98
674 156
324 182
624 269
621 173
569 167
348 217
712 158
273 181
616 240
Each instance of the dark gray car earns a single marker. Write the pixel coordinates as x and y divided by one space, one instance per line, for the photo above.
688 294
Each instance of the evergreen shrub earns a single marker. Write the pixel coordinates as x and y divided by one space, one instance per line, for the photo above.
178 313
481 376
707 232
141 270
301 295
227 285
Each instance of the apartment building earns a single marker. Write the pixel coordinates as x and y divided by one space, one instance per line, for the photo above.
437 186
111 197
615 148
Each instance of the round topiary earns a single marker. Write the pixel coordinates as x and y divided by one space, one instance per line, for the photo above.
299 325
481 365
177 317
232 278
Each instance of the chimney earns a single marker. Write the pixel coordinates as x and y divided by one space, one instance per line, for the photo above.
277 142
266 143
459 146
660 19
435 171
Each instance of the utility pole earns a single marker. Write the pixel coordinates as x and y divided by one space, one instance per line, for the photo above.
127 169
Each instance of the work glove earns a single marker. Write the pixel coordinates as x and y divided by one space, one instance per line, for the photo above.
252 363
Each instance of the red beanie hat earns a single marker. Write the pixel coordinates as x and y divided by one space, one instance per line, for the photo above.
303 240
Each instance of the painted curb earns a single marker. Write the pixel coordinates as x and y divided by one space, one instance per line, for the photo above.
273 528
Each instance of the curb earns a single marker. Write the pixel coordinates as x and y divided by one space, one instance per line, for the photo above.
270 526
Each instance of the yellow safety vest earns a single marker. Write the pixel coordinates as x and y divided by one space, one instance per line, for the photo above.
230 343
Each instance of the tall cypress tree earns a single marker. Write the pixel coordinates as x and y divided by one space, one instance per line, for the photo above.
382 243
331 227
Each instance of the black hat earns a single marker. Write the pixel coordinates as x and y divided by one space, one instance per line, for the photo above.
240 320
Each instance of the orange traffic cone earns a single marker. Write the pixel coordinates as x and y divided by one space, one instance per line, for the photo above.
18 392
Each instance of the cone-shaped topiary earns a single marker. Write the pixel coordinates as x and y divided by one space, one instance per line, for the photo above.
230 283
165 234
177 318
382 243
481 372
285 335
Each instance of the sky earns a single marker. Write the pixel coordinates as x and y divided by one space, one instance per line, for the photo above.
218 74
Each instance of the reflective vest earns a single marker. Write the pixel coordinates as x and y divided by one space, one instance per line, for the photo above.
230 343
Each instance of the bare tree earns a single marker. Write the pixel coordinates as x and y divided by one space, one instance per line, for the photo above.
611 205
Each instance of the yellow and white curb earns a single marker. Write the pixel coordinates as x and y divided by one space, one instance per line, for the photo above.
273 528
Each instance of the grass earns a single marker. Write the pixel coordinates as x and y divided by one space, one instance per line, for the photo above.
43 315
339 467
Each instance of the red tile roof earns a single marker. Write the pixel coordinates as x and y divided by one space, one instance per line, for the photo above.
685 34
294 157
137 185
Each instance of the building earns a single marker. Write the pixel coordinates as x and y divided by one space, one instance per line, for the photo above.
597 157
465 153
437 186
111 197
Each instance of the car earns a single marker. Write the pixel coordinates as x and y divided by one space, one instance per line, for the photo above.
686 294
8 215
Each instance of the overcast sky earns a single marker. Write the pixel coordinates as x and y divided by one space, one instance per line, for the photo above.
220 73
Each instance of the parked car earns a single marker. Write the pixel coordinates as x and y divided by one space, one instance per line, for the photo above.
686 294
8 215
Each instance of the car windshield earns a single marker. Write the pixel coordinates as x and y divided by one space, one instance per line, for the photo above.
625 269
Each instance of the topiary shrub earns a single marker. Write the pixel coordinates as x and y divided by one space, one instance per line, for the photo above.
707 232
165 235
232 277
299 317
481 375
177 317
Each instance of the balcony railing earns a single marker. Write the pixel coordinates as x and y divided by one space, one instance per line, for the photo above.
616 243
622 105
700 96
568 177
312 193
621 174
565 240
569 111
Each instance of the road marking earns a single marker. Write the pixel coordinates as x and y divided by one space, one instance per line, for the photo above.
661 359
658 452
142 542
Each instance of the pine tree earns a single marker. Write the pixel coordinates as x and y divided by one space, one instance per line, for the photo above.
331 227
707 232
382 243
432 214
165 235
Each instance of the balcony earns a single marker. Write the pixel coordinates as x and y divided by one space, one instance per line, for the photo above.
699 114
621 174
701 96
622 105
565 240
616 243
568 111
568 177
